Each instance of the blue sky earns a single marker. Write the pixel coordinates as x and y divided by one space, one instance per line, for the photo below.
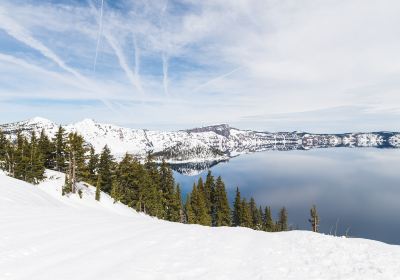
319 66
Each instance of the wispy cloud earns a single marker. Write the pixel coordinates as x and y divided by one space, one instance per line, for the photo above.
99 35
231 58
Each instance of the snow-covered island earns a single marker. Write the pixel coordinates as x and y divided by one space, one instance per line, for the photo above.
47 236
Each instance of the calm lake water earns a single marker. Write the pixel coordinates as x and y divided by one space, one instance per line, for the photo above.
357 190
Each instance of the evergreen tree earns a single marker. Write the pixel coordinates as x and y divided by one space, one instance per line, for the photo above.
117 193
93 161
7 155
200 188
97 197
189 214
60 149
105 169
129 175
246 214
282 224
237 210
21 163
152 170
3 150
167 184
199 207
76 162
255 215
35 168
314 220
268 221
176 209
151 193
221 205
47 150
209 187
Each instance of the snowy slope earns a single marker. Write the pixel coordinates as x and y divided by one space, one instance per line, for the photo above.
200 145
44 236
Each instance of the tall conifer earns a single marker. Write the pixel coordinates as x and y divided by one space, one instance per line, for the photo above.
237 210
221 205
283 220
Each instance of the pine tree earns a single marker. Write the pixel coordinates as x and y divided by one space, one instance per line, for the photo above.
200 187
22 157
268 221
237 210
91 169
255 215
176 206
221 205
76 161
7 154
47 150
246 214
105 169
60 149
167 184
67 187
282 224
314 220
35 169
3 150
151 197
209 187
189 215
199 207
97 197
261 213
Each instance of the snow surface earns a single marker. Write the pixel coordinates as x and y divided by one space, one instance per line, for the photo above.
44 235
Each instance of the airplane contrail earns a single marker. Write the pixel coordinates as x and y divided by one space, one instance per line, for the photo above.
99 35
123 63
137 56
164 56
165 73
216 79
21 34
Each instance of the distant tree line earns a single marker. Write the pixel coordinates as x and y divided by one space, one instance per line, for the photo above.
147 187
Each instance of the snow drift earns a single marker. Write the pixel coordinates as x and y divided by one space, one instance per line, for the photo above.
46 236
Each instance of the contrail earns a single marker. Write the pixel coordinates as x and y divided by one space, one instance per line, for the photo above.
137 57
99 35
165 73
216 79
123 62
54 75
24 36
164 55
134 79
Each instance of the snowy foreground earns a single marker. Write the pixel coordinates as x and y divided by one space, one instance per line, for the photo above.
46 236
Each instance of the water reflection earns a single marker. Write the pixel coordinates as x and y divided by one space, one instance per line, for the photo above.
357 189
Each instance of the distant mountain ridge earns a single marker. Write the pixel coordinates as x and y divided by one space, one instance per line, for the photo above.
205 145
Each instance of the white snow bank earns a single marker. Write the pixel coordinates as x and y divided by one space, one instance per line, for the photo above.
46 236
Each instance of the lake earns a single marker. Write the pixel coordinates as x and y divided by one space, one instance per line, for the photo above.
355 189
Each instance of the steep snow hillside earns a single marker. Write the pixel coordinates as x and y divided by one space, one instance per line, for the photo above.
45 236
200 145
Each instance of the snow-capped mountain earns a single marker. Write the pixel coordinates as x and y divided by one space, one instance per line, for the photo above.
205 145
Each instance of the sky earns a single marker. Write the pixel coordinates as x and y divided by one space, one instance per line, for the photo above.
274 65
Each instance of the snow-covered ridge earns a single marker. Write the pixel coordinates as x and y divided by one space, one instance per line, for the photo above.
47 236
206 144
